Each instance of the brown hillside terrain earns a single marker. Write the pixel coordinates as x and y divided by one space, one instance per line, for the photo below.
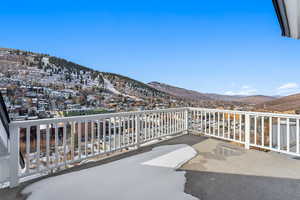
287 103
179 92
257 99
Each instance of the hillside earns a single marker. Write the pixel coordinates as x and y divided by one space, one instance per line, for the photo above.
42 85
197 96
287 103
38 85
51 70
221 97
256 99
180 92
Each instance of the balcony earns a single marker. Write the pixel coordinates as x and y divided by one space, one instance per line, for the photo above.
234 151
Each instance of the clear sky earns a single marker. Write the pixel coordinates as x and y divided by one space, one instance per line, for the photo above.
223 46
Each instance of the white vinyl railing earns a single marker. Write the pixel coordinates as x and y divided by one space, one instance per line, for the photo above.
50 145
268 131
56 144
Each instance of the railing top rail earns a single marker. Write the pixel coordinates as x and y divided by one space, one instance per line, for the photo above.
89 117
265 114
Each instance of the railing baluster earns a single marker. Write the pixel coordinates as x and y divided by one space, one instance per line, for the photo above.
176 128
109 134
115 147
278 133
262 131
48 146
270 132
172 122
119 131
288 135
27 149
201 122
65 143
137 130
123 131
79 139
38 146
161 121
168 123
98 136
234 126
86 130
151 126
255 130
218 124
223 124
205 123
214 124
240 127
247 131
297 136
132 128
73 140
209 123
56 144
145 127
92 137
229 127
175 122
155 125
127 135
104 135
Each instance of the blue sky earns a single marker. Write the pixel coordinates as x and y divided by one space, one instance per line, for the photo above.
229 47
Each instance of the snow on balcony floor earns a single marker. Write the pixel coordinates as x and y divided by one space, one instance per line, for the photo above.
147 176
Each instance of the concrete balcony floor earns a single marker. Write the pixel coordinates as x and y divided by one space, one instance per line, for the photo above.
219 171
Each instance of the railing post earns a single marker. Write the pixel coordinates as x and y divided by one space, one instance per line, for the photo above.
138 130
186 128
14 156
247 131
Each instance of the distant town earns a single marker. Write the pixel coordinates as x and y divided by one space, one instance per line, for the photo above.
37 86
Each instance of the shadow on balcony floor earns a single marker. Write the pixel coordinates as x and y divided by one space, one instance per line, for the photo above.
220 186
223 171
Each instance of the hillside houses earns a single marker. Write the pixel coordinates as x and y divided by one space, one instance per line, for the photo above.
43 85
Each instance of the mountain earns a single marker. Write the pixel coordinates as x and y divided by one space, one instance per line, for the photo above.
256 99
180 92
221 97
46 70
197 96
288 103
38 82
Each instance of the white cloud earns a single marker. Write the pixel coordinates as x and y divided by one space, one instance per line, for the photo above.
288 86
288 89
246 87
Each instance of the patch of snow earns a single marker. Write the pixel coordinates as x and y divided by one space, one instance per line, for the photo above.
45 60
173 159
110 87
125 179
